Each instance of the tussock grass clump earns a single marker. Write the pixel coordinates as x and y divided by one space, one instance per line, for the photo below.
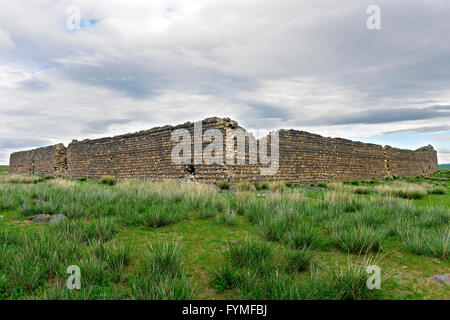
224 277
160 276
32 257
253 286
163 215
115 257
437 190
61 183
357 239
402 190
362 190
109 180
94 272
252 253
84 230
144 288
343 200
288 198
337 186
206 212
434 243
19 178
350 281
274 227
374 217
431 217
303 234
226 218
298 260
163 259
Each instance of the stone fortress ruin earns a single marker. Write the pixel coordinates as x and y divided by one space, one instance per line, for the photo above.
303 158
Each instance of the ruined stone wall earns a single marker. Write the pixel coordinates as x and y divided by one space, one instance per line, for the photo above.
144 154
310 158
304 158
422 161
47 160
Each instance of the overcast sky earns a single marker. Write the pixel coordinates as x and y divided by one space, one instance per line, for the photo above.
308 65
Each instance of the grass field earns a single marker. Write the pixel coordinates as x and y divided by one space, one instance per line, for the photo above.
173 240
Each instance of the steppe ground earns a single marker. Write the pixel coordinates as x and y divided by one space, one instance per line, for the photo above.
137 239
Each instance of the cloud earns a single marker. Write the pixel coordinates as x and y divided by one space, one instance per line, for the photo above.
389 115
444 150
138 64
100 126
12 143
429 129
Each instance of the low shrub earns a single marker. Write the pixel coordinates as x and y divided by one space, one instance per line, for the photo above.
223 185
109 180
264 185
277 185
437 190
243 186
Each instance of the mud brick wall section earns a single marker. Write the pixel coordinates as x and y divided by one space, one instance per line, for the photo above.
304 158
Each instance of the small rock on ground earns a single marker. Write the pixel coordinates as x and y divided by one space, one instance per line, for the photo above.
40 218
442 278
57 217
38 201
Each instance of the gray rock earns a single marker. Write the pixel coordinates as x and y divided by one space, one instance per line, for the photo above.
40 218
57 217
442 278
38 201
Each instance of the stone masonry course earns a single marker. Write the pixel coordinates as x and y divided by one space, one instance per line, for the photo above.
303 158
